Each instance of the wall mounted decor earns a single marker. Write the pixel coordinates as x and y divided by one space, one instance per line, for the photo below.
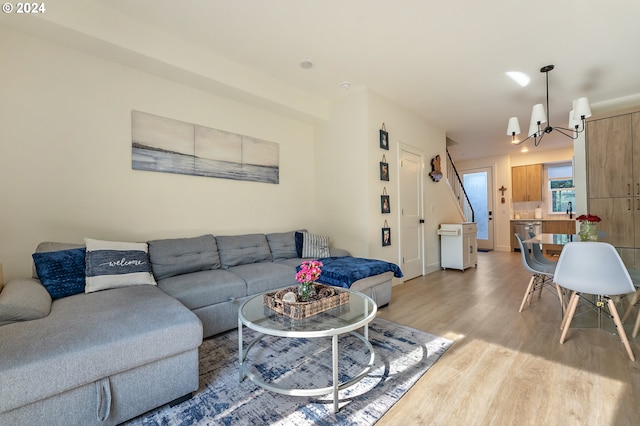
165 145
384 138
385 204
386 235
502 189
436 171
384 169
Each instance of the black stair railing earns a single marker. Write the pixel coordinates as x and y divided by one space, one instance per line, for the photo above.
456 185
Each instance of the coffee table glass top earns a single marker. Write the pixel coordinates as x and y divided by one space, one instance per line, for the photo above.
354 314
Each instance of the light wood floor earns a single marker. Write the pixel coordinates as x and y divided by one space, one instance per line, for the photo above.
505 367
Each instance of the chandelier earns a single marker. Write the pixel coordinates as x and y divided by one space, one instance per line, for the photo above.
537 129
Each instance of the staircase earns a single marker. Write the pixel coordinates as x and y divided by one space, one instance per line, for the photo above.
457 189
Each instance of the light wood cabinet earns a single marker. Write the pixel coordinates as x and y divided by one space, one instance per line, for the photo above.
527 182
613 181
610 157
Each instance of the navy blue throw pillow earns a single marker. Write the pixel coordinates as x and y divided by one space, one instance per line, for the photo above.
61 272
299 236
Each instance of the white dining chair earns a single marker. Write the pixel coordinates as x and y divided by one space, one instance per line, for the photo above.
538 255
542 275
593 268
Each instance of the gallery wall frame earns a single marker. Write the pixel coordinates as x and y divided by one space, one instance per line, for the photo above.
384 138
385 203
386 235
384 169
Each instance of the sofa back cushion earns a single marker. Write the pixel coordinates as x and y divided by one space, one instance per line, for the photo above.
177 256
282 245
243 249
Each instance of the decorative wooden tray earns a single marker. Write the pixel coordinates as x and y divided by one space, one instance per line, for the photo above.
326 297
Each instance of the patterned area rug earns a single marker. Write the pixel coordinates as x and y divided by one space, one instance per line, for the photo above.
403 355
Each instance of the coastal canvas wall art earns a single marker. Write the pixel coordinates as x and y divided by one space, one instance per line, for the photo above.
171 146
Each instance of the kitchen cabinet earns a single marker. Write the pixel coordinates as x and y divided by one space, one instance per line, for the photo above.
613 180
527 182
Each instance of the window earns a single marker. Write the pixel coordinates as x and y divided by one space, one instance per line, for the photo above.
560 188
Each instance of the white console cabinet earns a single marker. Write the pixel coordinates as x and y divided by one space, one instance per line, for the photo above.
458 245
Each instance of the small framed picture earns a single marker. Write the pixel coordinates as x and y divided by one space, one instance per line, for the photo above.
386 237
384 139
385 205
384 171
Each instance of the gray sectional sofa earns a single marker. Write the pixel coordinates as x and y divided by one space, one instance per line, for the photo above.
108 356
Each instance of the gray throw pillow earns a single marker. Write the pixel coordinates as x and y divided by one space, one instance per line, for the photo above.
23 300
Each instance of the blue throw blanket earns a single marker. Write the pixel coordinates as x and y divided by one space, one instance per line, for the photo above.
345 270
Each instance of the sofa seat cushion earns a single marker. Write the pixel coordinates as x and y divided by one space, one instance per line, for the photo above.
175 256
204 288
87 337
261 277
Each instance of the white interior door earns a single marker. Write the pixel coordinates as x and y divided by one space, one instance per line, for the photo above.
478 184
411 215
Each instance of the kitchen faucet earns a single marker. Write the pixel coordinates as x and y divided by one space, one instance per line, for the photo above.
570 210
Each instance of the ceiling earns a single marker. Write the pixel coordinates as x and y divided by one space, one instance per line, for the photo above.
444 61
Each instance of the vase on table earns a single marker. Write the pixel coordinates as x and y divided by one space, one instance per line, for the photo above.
588 231
305 291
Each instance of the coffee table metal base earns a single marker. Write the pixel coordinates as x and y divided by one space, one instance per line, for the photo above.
337 386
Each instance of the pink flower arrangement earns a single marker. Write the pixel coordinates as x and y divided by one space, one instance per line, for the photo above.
309 271
588 218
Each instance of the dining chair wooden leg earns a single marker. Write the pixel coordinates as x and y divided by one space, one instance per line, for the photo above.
564 317
636 328
621 332
573 303
561 299
527 293
632 303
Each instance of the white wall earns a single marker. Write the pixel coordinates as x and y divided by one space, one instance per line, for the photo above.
341 184
411 130
348 151
65 157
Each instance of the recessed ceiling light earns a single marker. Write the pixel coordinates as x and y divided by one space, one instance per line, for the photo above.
306 64
345 85
519 77
524 149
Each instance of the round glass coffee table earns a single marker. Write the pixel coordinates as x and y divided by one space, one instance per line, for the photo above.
346 318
